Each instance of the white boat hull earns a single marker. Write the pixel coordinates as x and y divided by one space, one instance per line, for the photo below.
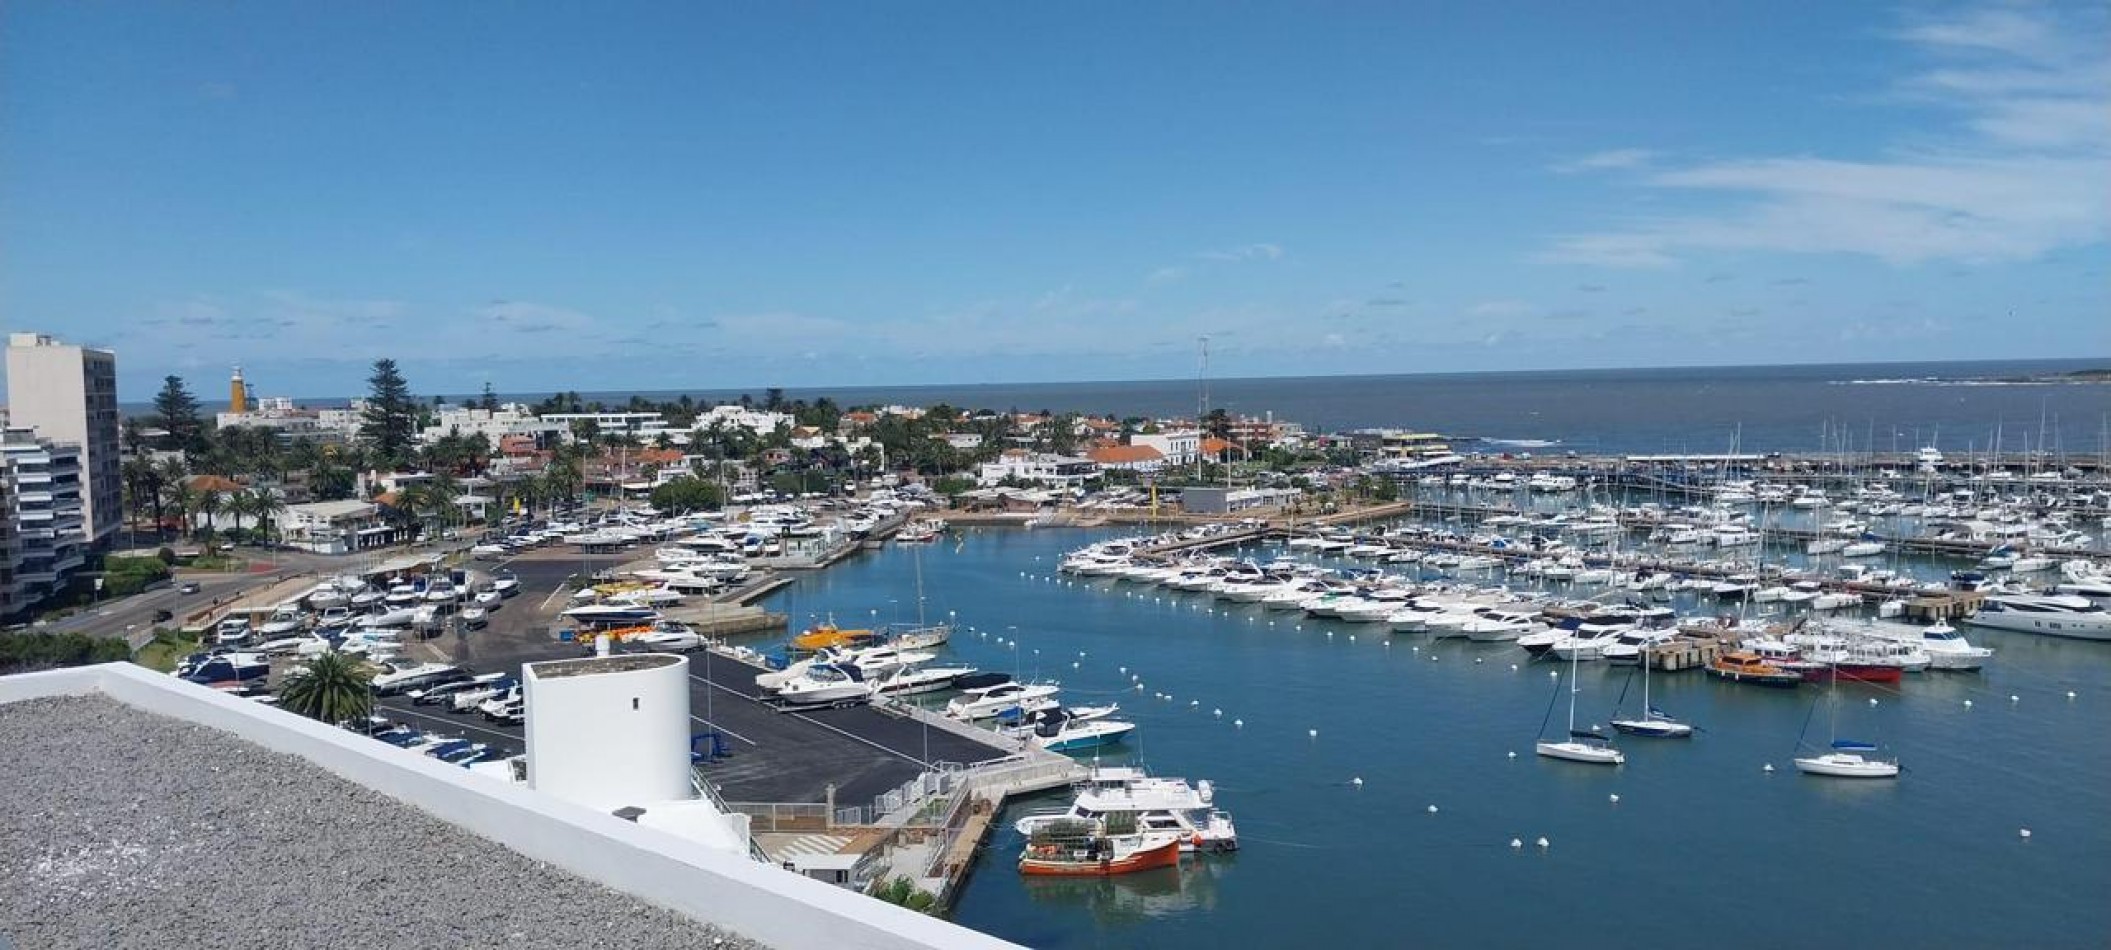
1846 765
1581 752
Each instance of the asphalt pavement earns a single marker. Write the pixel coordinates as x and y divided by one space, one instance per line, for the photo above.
771 755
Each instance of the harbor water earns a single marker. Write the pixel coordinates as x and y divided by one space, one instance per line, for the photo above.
1285 713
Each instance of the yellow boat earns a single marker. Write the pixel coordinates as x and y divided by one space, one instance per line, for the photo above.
828 636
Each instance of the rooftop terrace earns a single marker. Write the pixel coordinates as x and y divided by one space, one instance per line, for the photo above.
212 841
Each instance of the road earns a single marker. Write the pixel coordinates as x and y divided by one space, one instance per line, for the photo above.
133 617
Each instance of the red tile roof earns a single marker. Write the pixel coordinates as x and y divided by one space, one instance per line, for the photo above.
1125 454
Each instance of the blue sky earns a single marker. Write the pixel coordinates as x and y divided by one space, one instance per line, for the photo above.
750 194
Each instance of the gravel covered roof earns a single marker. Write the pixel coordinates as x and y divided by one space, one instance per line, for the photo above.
127 829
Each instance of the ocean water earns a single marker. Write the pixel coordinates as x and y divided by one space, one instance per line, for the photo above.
1683 410
1690 410
1703 847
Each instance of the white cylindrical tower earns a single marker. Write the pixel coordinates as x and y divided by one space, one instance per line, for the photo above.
609 731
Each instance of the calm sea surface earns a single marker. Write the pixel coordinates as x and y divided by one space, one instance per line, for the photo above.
1704 848
1765 408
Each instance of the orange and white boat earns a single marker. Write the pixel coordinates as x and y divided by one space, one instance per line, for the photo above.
1069 848
828 636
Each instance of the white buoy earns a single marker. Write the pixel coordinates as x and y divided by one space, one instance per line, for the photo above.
1432 809
2023 833
2070 694
1967 704
1872 700
1330 634
1312 733
1513 667
1357 781
1544 843
1388 643
1352 638
1769 767
1614 798
1073 664
1478 660
1553 674
1194 702
1516 843
1238 724
1124 670
2014 698
1219 713
1513 754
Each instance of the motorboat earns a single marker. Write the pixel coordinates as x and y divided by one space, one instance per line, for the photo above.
1158 804
612 614
1947 649
911 681
475 617
2054 615
827 684
505 583
1072 848
1745 666
284 621
1067 734
986 702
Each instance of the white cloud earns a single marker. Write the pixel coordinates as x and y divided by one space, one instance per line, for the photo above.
2021 174
1500 308
1612 160
1250 252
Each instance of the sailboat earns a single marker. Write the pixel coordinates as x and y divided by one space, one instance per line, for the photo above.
1846 758
1582 745
1654 723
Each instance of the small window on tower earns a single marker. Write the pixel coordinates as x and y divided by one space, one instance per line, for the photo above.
634 704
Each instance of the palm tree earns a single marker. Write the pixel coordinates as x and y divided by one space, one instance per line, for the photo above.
209 503
178 496
266 506
237 504
170 474
335 687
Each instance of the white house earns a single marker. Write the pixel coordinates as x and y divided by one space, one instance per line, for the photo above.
1060 470
741 417
1177 447
336 527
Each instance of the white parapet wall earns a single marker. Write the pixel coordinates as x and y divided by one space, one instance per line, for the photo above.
762 902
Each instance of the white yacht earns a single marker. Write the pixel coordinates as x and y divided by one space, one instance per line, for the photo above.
1160 804
827 684
987 701
2054 615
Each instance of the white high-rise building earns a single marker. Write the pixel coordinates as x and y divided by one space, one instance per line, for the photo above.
41 541
69 395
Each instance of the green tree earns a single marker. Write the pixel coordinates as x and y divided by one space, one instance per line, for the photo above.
177 496
686 494
267 506
489 401
208 503
334 687
176 412
390 424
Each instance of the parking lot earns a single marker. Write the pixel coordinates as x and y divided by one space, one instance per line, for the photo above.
770 756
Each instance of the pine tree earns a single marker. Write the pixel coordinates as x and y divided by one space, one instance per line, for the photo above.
176 411
391 417
489 402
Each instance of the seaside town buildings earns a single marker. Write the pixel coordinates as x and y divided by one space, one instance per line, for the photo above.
68 394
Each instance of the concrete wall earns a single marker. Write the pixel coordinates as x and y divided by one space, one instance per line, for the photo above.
765 903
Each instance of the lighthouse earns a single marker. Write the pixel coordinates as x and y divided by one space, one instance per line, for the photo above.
237 394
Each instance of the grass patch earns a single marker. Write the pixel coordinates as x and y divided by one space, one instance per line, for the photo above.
161 653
